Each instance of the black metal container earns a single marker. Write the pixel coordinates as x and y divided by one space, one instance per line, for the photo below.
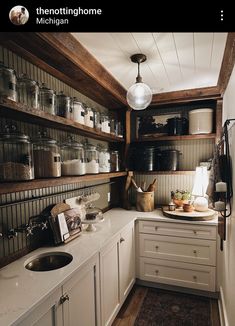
169 160
144 158
177 126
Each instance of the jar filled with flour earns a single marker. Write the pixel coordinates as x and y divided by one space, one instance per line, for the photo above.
91 159
72 157
104 160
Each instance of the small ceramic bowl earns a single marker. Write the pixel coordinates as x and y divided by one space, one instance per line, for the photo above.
188 207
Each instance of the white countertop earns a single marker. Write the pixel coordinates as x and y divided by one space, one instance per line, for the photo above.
21 290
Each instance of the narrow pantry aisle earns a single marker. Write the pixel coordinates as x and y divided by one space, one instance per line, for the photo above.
154 307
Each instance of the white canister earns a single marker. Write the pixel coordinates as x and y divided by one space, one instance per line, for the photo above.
78 111
200 121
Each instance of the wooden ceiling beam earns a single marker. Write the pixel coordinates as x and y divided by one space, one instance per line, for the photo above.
227 63
61 55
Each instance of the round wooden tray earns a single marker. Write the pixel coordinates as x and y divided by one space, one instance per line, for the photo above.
179 213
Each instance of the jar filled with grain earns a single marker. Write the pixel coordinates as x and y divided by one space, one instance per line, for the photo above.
91 159
72 158
28 91
16 156
114 161
46 157
47 99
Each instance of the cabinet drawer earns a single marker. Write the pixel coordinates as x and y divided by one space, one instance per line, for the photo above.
178 229
179 249
180 274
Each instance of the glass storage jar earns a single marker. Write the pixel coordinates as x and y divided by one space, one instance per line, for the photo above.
63 105
8 82
47 162
114 161
89 117
47 99
72 158
97 121
91 159
28 91
105 123
78 111
104 160
113 127
119 129
16 157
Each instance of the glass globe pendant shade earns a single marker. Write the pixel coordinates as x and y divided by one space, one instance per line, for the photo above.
139 96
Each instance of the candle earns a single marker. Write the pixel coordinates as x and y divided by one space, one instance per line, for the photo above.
221 186
219 206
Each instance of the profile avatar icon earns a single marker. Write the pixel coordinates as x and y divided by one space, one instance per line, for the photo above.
19 15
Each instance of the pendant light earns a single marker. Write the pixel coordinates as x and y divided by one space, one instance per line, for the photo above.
139 95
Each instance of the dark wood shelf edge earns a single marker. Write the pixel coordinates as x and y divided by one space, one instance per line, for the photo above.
22 112
9 187
183 137
166 172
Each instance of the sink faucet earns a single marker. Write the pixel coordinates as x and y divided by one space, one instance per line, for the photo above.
27 228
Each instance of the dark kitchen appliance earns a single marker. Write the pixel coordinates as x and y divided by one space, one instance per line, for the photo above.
169 160
177 126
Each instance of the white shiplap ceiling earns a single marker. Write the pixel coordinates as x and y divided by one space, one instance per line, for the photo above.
175 61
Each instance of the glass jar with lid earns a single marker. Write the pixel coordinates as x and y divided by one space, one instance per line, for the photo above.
91 159
16 156
7 82
78 111
89 117
28 91
47 99
63 105
114 161
119 129
47 162
97 120
105 123
113 127
104 160
72 158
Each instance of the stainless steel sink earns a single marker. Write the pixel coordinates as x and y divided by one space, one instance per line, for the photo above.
49 261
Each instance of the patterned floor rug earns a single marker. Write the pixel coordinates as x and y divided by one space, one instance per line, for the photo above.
165 308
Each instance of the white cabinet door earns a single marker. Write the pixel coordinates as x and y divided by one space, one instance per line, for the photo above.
127 261
48 313
109 276
80 293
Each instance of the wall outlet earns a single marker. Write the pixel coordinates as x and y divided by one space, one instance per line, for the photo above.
109 197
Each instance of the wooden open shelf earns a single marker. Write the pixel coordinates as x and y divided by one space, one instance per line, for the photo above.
173 138
10 187
18 111
166 172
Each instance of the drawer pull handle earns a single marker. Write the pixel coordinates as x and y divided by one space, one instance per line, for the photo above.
194 251
194 231
156 227
121 240
195 277
156 247
156 271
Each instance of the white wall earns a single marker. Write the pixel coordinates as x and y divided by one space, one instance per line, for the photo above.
226 258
